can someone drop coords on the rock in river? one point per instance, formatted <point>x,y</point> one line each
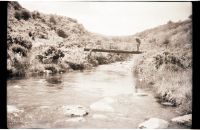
<point>184,120</point>
<point>154,123</point>
<point>74,110</point>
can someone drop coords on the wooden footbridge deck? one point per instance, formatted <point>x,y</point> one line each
<point>112,51</point>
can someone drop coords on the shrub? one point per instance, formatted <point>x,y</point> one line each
<point>168,58</point>
<point>52,20</point>
<point>23,14</point>
<point>18,40</point>
<point>39,57</point>
<point>25,43</point>
<point>62,34</point>
<point>75,66</point>
<point>26,14</point>
<point>51,55</point>
<point>102,60</point>
<point>19,67</point>
<point>36,15</point>
<point>19,49</point>
<point>17,15</point>
<point>43,20</point>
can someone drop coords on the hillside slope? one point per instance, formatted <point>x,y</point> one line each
<point>40,43</point>
<point>166,65</point>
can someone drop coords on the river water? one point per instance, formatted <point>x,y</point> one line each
<point>38,98</point>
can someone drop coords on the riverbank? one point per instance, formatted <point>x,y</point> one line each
<point>166,65</point>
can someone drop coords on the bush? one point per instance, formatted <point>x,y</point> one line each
<point>18,40</point>
<point>51,55</point>
<point>62,34</point>
<point>36,15</point>
<point>52,20</point>
<point>168,58</point>
<point>19,49</point>
<point>43,20</point>
<point>26,14</point>
<point>18,15</point>
<point>39,57</point>
<point>23,14</point>
<point>18,67</point>
<point>75,66</point>
<point>102,60</point>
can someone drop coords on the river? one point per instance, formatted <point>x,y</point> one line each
<point>112,85</point>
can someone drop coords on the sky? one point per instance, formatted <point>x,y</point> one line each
<point>115,18</point>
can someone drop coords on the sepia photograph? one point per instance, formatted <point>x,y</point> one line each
<point>99,65</point>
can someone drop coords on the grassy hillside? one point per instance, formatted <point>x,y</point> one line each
<point>166,65</point>
<point>40,43</point>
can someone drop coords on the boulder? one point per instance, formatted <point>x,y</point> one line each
<point>74,111</point>
<point>184,120</point>
<point>154,123</point>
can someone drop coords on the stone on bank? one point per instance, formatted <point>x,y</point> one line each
<point>154,123</point>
